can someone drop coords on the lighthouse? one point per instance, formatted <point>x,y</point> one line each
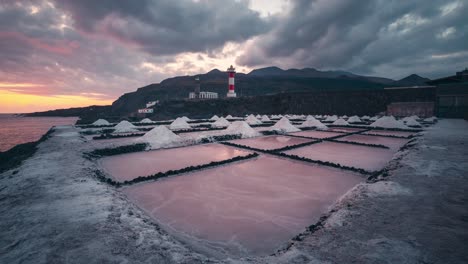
<point>231,71</point>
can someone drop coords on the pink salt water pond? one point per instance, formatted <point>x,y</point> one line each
<point>250,207</point>
<point>389,132</point>
<point>317,134</point>
<point>271,142</point>
<point>129,166</point>
<point>368,158</point>
<point>392,143</point>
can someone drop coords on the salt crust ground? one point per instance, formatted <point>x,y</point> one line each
<point>53,211</point>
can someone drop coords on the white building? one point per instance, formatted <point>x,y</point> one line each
<point>204,95</point>
<point>145,111</point>
<point>152,103</point>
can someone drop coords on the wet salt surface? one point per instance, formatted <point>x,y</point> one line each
<point>130,166</point>
<point>270,142</point>
<point>249,207</point>
<point>317,134</point>
<point>393,143</point>
<point>363,157</point>
<point>388,132</point>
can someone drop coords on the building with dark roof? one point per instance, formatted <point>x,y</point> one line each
<point>452,95</point>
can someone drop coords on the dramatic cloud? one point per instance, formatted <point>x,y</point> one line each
<point>167,26</point>
<point>101,49</point>
<point>389,38</point>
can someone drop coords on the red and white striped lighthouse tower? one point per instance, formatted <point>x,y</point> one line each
<point>231,71</point>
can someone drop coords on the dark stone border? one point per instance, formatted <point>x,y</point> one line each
<point>358,143</point>
<point>211,139</point>
<point>196,130</point>
<point>110,136</point>
<point>98,153</point>
<point>168,173</point>
<point>389,136</point>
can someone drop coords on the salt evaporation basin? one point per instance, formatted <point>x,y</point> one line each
<point>270,142</point>
<point>392,143</point>
<point>247,208</point>
<point>129,166</point>
<point>316,134</point>
<point>390,133</point>
<point>368,158</point>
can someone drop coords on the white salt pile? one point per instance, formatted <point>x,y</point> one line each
<point>340,122</point>
<point>241,128</point>
<point>101,122</point>
<point>314,123</point>
<point>415,117</point>
<point>146,120</point>
<point>125,127</point>
<point>252,120</point>
<point>354,119</point>
<point>258,116</point>
<point>406,119</point>
<point>185,118</point>
<point>431,119</point>
<point>284,126</point>
<point>229,117</point>
<point>374,118</point>
<point>388,122</point>
<point>265,118</point>
<point>221,122</point>
<point>179,123</point>
<point>215,117</point>
<point>413,123</point>
<point>365,117</point>
<point>332,118</point>
<point>344,117</point>
<point>318,116</point>
<point>160,137</point>
<point>311,118</point>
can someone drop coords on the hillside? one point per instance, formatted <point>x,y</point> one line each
<point>412,80</point>
<point>266,81</point>
<point>259,82</point>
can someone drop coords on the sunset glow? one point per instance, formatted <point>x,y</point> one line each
<point>14,102</point>
<point>18,85</point>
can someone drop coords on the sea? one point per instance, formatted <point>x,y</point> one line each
<point>15,129</point>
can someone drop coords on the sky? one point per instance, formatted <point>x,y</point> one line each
<point>68,53</point>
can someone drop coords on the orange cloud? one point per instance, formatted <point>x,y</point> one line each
<point>13,102</point>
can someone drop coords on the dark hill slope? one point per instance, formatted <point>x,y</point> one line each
<point>412,80</point>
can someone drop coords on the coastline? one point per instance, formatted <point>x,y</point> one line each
<point>14,157</point>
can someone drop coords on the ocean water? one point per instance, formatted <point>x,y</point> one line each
<point>16,130</point>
